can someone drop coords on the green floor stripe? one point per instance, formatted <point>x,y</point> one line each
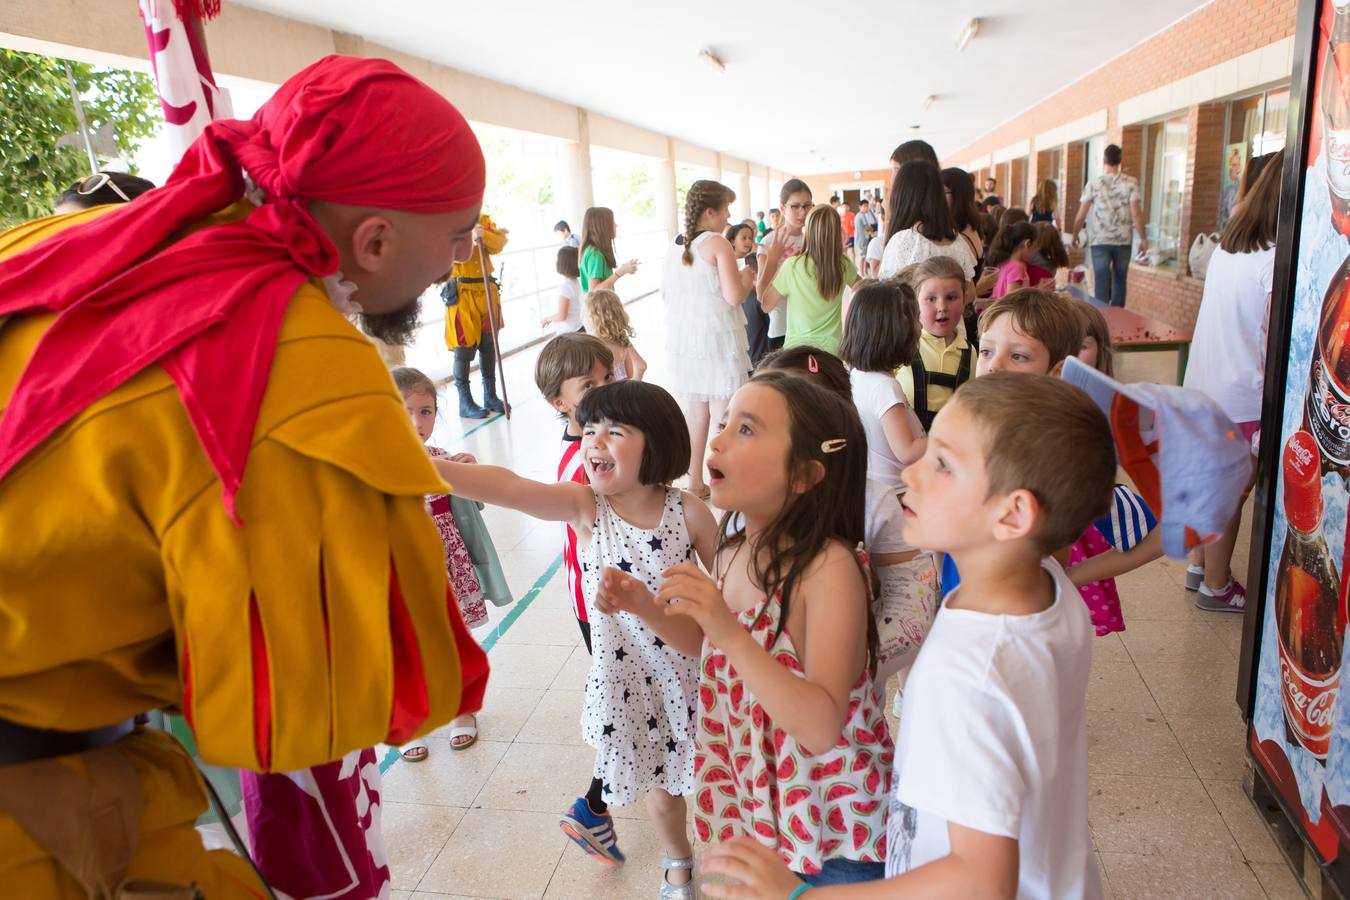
<point>485,423</point>
<point>521,605</point>
<point>495,634</point>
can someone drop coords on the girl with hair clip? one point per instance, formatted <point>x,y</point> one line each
<point>793,747</point>
<point>706,345</point>
<point>812,283</point>
<point>610,323</point>
<point>597,264</point>
<point>921,223</point>
<point>642,690</point>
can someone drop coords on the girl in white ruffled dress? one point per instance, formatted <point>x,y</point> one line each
<point>705,327</point>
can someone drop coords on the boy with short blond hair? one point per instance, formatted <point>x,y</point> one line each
<point>991,764</point>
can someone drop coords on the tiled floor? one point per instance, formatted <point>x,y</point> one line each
<point>1167,811</point>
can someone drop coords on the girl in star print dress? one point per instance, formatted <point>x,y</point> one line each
<point>641,693</point>
<point>793,748</point>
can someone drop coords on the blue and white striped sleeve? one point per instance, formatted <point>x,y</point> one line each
<point>1128,521</point>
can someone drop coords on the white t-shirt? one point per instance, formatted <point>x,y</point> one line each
<point>995,739</point>
<point>778,315</point>
<point>873,394</point>
<point>571,289</point>
<point>908,247</point>
<point>1228,352</point>
<point>885,522</point>
<point>876,247</point>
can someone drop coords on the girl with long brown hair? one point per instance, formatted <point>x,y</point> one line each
<point>1228,355</point>
<point>705,328</point>
<point>787,641</point>
<point>812,283</point>
<point>597,263</point>
<point>1046,201</point>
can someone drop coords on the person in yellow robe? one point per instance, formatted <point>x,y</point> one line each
<point>468,328</point>
<point>211,497</point>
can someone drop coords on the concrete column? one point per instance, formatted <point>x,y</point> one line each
<point>760,198</point>
<point>1017,183</point>
<point>583,183</point>
<point>740,183</point>
<point>666,213</point>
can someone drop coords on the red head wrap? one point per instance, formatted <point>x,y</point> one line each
<point>209,307</point>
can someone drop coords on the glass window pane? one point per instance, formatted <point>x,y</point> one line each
<point>1167,181</point>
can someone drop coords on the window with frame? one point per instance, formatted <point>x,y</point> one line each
<point>1165,146</point>
<point>1255,128</point>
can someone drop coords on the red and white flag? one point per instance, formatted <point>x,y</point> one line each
<point>187,89</point>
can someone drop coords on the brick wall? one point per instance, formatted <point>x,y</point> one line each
<point>1219,31</point>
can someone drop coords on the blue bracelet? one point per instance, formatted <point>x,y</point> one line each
<point>798,892</point>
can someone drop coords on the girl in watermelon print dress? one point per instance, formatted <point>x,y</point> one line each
<point>792,743</point>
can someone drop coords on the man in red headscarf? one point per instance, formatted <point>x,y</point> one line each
<point>210,493</point>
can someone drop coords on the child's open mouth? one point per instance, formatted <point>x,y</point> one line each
<point>601,466</point>
<point>715,475</point>
<point>905,508</point>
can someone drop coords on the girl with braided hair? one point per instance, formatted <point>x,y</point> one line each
<point>705,327</point>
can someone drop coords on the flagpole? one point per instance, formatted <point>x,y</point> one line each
<point>79,117</point>
<point>492,320</point>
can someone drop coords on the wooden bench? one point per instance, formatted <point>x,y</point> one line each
<point>1132,332</point>
<point>1135,333</point>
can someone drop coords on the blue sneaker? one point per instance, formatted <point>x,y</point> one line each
<point>592,833</point>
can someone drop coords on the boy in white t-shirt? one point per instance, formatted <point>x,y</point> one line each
<point>990,795</point>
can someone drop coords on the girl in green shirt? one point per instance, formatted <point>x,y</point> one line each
<point>814,281</point>
<point>597,262</point>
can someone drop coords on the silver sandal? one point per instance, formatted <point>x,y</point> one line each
<point>677,891</point>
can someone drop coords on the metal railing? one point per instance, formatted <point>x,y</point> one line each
<point>530,286</point>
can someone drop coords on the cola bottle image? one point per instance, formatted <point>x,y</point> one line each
<point>1307,604</point>
<point>1335,100</point>
<point>1326,413</point>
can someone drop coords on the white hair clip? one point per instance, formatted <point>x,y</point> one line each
<point>833,445</point>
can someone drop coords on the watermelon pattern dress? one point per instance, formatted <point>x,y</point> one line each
<point>754,777</point>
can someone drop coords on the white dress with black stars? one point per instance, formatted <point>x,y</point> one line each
<point>641,692</point>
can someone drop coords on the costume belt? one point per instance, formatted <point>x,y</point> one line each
<point>468,281</point>
<point>21,744</point>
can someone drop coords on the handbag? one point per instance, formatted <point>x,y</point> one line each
<point>1201,250</point>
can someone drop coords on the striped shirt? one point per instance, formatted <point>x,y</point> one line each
<point>571,469</point>
<point>1128,521</point>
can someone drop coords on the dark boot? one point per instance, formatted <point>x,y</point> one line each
<point>468,409</point>
<point>487,367</point>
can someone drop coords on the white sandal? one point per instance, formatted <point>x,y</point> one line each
<point>458,731</point>
<point>677,891</point>
<point>409,751</point>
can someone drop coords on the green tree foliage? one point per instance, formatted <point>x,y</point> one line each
<point>36,111</point>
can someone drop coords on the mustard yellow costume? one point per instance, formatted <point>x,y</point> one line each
<point>467,327</point>
<point>322,625</point>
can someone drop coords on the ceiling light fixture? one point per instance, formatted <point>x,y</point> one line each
<point>927,102</point>
<point>967,34</point>
<point>712,59</point>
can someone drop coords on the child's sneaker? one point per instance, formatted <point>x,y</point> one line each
<point>1195,576</point>
<point>1233,598</point>
<point>592,833</point>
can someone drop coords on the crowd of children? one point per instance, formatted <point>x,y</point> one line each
<point>743,665</point>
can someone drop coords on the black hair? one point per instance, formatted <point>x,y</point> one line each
<point>651,410</point>
<point>1006,241</point>
<point>734,230</point>
<point>919,200</point>
<point>914,151</point>
<point>567,265</point>
<point>130,185</point>
<point>965,211</point>
<point>882,330</point>
<point>562,226</point>
<point>774,210</point>
<point>1111,155</point>
<point>813,364</point>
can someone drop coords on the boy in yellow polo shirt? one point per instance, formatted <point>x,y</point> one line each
<point>945,360</point>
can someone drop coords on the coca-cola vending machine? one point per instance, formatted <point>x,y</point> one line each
<point>1293,664</point>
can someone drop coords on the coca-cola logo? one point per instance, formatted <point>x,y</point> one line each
<point>1338,148</point>
<point>1302,456</point>
<point>1338,161</point>
<point>1308,704</point>
<point>1330,417</point>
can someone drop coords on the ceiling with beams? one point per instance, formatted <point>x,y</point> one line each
<point>807,87</point>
